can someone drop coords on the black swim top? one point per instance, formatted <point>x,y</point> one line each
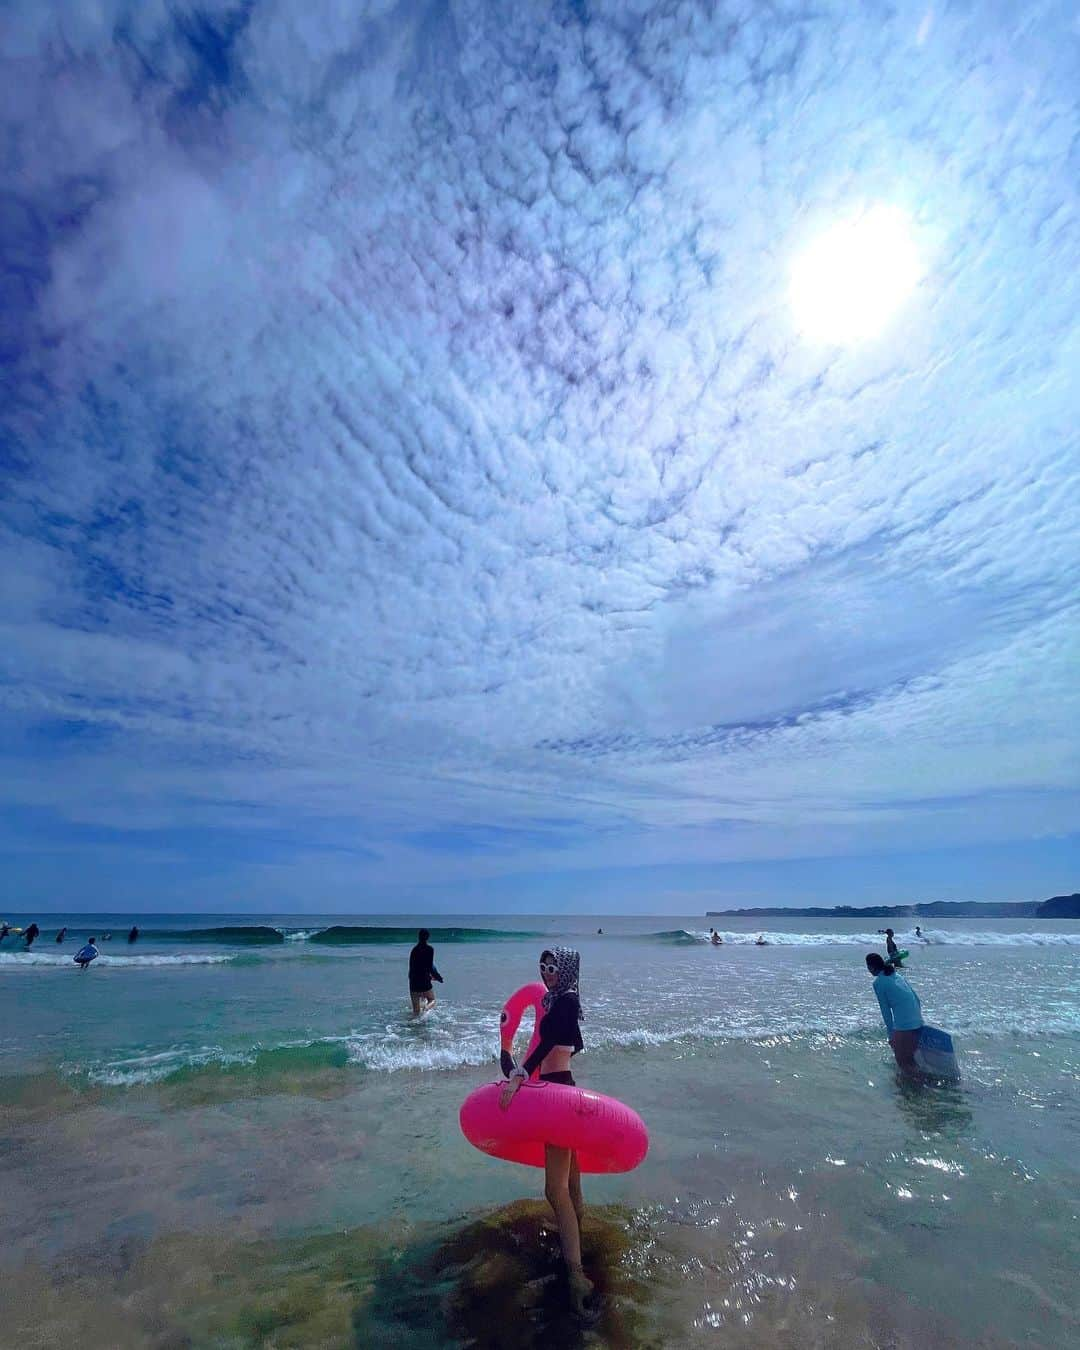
<point>422,966</point>
<point>558,1026</point>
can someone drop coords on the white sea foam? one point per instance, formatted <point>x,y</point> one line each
<point>932,937</point>
<point>393,1050</point>
<point>380,1056</point>
<point>12,960</point>
<point>154,1068</point>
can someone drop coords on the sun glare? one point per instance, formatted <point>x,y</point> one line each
<point>853,277</point>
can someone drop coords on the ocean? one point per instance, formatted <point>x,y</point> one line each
<point>233,1134</point>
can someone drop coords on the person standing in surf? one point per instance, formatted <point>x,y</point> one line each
<point>421,973</point>
<point>560,1039</point>
<point>901,1010</point>
<point>892,949</point>
<point>85,955</point>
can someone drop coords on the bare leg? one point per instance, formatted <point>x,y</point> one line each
<point>430,997</point>
<point>903,1047</point>
<point>415,1004</point>
<point>574,1186</point>
<point>557,1190</point>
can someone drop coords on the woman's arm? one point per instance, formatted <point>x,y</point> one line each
<point>557,1027</point>
<point>543,1048</point>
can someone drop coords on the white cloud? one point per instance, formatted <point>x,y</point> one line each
<point>407,397</point>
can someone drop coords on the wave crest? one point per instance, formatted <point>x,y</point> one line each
<point>931,937</point>
<point>375,935</point>
<point>12,960</point>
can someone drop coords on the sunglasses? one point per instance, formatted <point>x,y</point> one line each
<point>548,968</point>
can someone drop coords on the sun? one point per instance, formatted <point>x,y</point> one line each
<point>849,282</point>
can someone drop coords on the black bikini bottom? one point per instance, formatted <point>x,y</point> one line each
<point>565,1077</point>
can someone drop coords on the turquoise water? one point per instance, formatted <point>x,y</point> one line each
<point>198,1084</point>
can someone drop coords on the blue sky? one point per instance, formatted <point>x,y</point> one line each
<point>419,491</point>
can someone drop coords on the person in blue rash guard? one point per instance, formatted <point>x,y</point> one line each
<point>901,1010</point>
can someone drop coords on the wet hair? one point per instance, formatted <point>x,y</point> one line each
<point>888,932</point>
<point>91,939</point>
<point>548,954</point>
<point>423,935</point>
<point>877,965</point>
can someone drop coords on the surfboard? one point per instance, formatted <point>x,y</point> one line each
<point>935,1053</point>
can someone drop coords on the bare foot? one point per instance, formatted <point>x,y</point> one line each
<point>581,1289</point>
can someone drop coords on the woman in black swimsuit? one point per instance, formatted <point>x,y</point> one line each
<point>560,1040</point>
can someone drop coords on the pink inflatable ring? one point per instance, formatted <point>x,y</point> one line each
<point>608,1136</point>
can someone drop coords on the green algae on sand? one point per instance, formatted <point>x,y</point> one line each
<point>493,1281</point>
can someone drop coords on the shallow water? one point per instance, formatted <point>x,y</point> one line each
<point>795,1191</point>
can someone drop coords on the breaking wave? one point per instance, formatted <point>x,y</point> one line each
<point>369,935</point>
<point>238,935</point>
<point>931,937</point>
<point>12,960</point>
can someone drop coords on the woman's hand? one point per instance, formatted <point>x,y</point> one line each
<point>510,1087</point>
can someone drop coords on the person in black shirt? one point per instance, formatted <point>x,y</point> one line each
<point>560,1039</point>
<point>421,972</point>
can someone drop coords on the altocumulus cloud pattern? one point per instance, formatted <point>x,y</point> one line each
<point>413,467</point>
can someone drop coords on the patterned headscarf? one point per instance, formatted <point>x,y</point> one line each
<point>567,965</point>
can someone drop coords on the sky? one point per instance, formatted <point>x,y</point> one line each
<point>423,486</point>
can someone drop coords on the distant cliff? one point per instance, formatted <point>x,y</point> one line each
<point>1058,907</point>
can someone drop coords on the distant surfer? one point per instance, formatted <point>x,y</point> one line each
<point>133,936</point>
<point>86,954</point>
<point>715,938</point>
<point>918,932</point>
<point>5,929</point>
<point>61,935</point>
<point>30,934</point>
<point>901,1010</point>
<point>761,941</point>
<point>421,973</point>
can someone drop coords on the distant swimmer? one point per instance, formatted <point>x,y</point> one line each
<point>30,934</point>
<point>61,935</point>
<point>5,929</point>
<point>421,972</point>
<point>85,955</point>
<point>715,938</point>
<point>599,932</point>
<point>761,941</point>
<point>900,1009</point>
<point>133,936</point>
<point>892,949</point>
<point>918,931</point>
